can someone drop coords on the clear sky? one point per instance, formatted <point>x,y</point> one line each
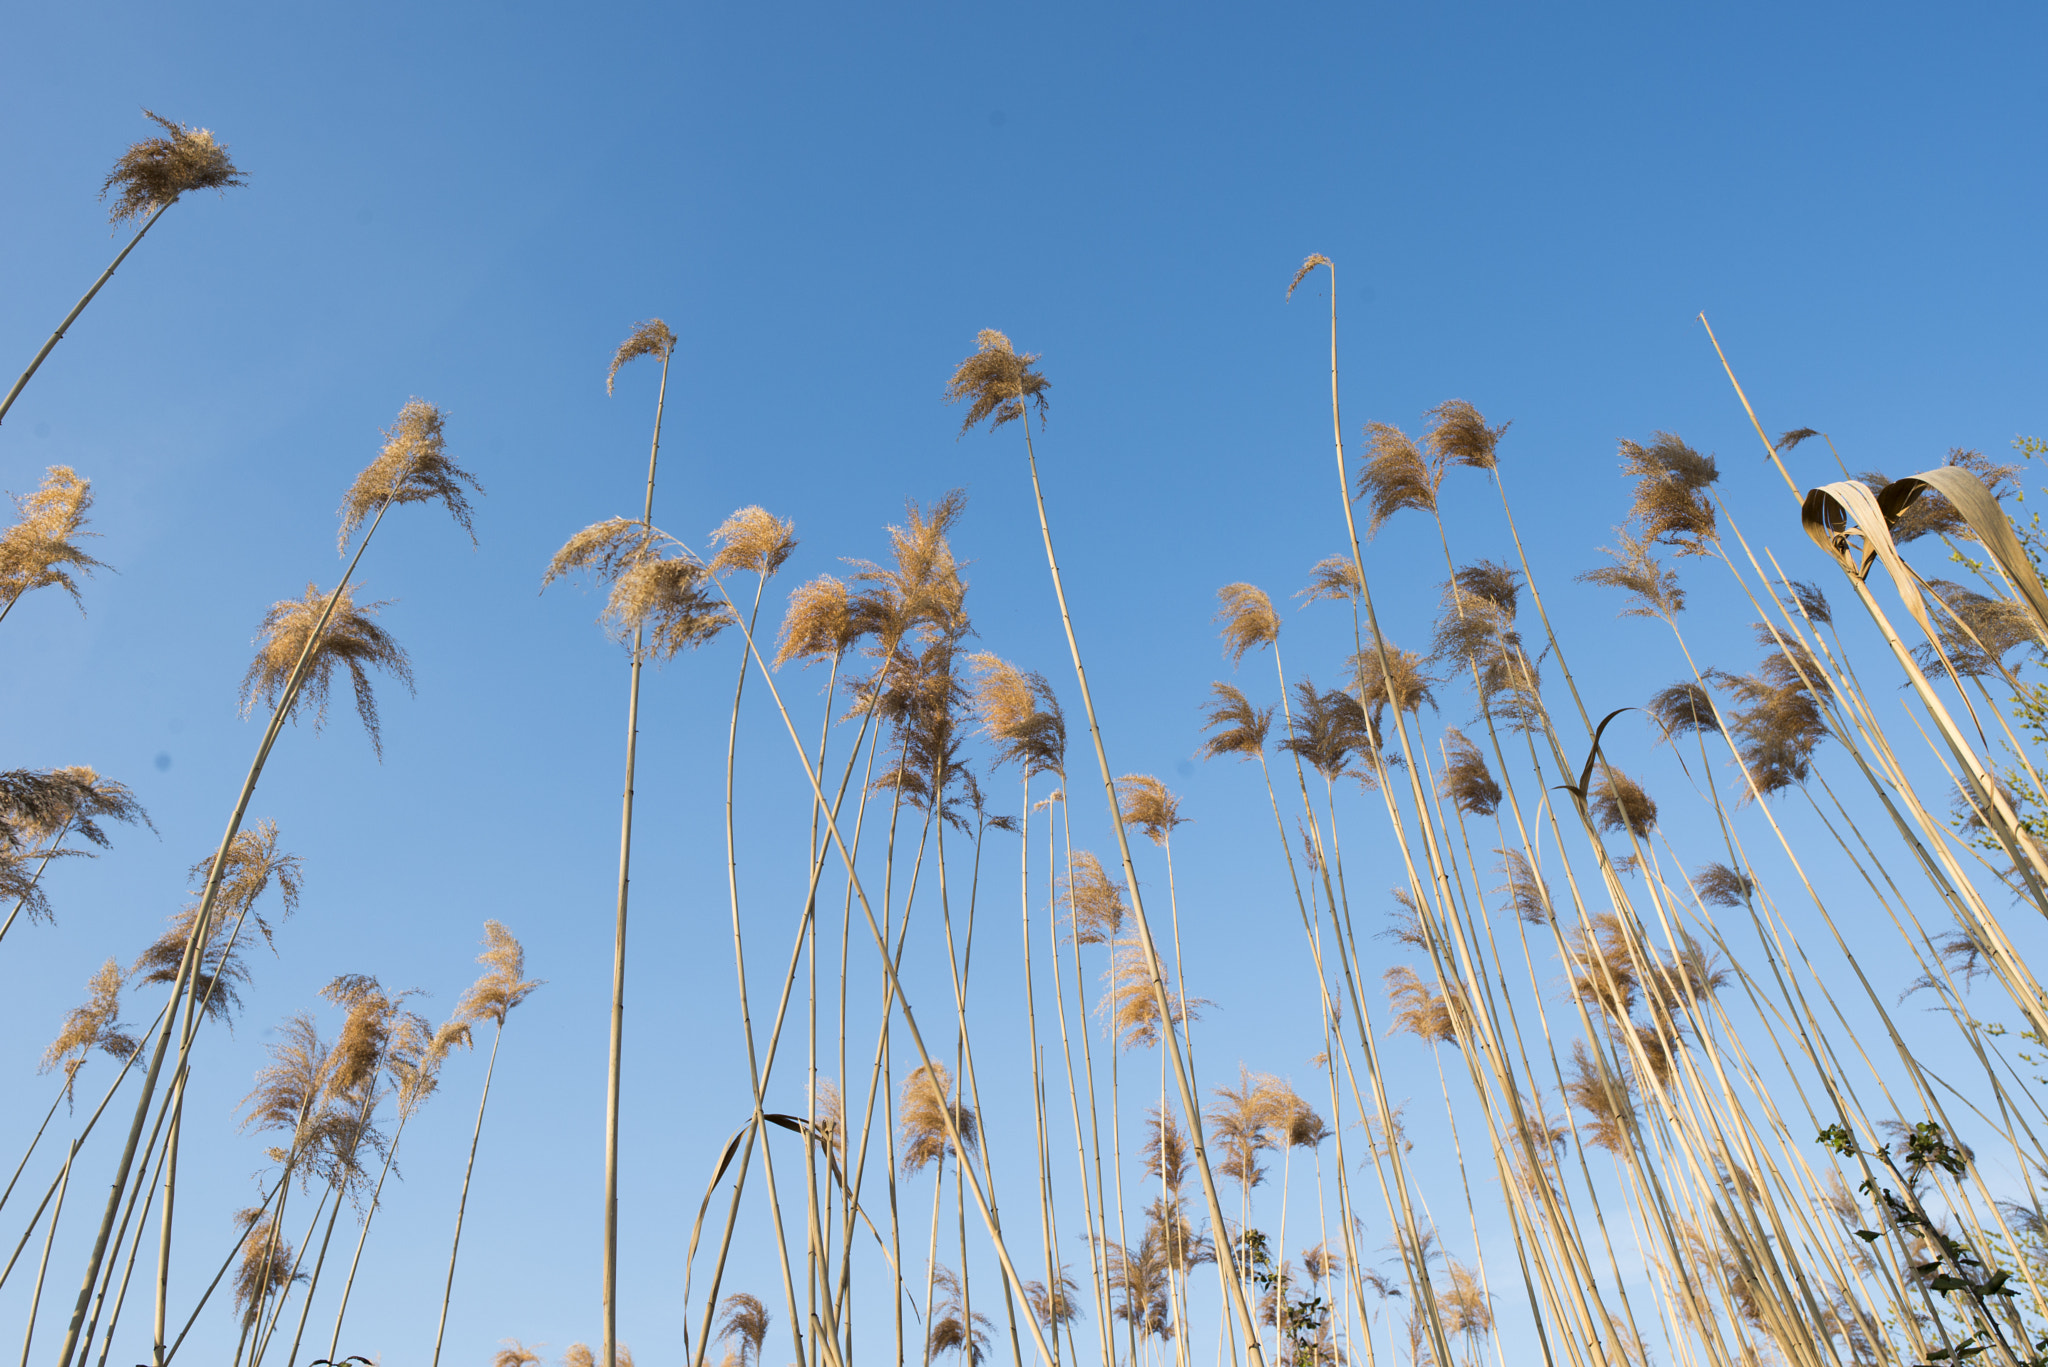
<point>1528,206</point>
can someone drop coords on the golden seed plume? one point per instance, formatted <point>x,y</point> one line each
<point>1020,714</point>
<point>819,624</point>
<point>1459,436</point>
<point>1095,905</point>
<point>753,539</point>
<point>1671,507</point>
<point>921,593</point>
<point>1684,708</point>
<point>152,173</point>
<point>267,1260</point>
<point>40,550</point>
<point>1333,577</point>
<point>1421,1010</point>
<point>1606,1097</point>
<point>517,1354</point>
<point>1527,895</point>
<point>1635,571</point>
<point>1235,726</point>
<point>1248,619</point>
<point>648,588</point>
<point>39,805</point>
<point>1395,475</point>
<point>575,1355</point>
<point>1237,1125</point>
<point>1149,805</point>
<point>1054,1306</point>
<point>504,983</point>
<point>921,1116</point>
<point>253,864</point>
<point>289,1085</point>
<point>996,382</point>
<point>1329,729</point>
<point>651,338</point>
<point>1314,260</point>
<point>1720,886</point>
<point>1977,633</point>
<point>352,641</point>
<point>1400,680</point>
<point>742,1316</point>
<point>413,467</point>
<point>93,1025</point>
<point>1466,780</point>
<point>1620,804</point>
<point>1131,1004</point>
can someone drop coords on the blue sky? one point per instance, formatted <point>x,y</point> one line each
<point>1528,207</point>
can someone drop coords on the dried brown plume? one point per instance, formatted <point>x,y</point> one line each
<point>1149,805</point>
<point>742,1316</point>
<point>1399,679</point>
<point>1395,475</point>
<point>1314,260</point>
<point>1977,633</point>
<point>41,550</point>
<point>504,983</point>
<point>43,805</point>
<point>1132,1005</point>
<point>954,1329</point>
<point>1635,571</point>
<point>1684,709</point>
<point>1607,1098</point>
<point>819,624</point>
<point>1526,892</point>
<point>753,539</point>
<point>152,173</point>
<point>1671,506</point>
<point>253,864</point>
<point>922,1113</point>
<point>1720,886</point>
<point>352,640</point>
<point>413,467</point>
<point>1248,619</point>
<point>920,593</point>
<point>1466,780</point>
<point>1095,905</point>
<point>1020,715</point>
<point>517,1354</point>
<point>1056,1305</point>
<point>655,584</point>
<point>288,1087</point>
<point>651,338</point>
<point>1620,804</point>
<point>1333,577</point>
<point>1329,728</point>
<point>1235,727</point>
<point>1421,1010</point>
<point>1238,1124</point>
<point>93,1025</point>
<point>266,1263</point>
<point>996,382</point>
<point>1459,436</point>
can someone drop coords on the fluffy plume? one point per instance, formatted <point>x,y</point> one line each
<point>352,640</point>
<point>1237,1125</point>
<point>1465,780</point>
<point>1635,571</point>
<point>288,1087</point>
<point>1329,728</point>
<point>366,1034</point>
<point>1606,1098</point>
<point>266,1264</point>
<point>1976,633</point>
<point>1720,886</point>
<point>253,864</point>
<point>1421,1010</point>
<point>39,805</point>
<point>1248,619</point>
<point>753,539</point>
<point>1131,1003</point>
<point>1459,436</point>
<point>1394,475</point>
<point>1683,709</point>
<point>1333,578</point>
<point>1399,679</point>
<point>954,1329</point>
<point>742,1316</point>
<point>1791,439</point>
<point>413,467</point>
<point>649,586</point>
<point>1526,892</point>
<point>1055,1305</point>
<point>819,624</point>
<point>1235,727</point>
<point>1020,715</point>
<point>920,593</point>
<point>152,173</point>
<point>1314,260</point>
<point>1780,721</point>
<point>1166,1153</point>
<point>1149,805</point>
<point>1095,905</point>
<point>922,1112</point>
<point>1671,507</point>
<point>504,983</point>
<point>1811,600</point>
<point>41,549</point>
<point>1929,514</point>
<point>1620,804</point>
<point>517,1354</point>
<point>93,1025</point>
<point>651,338</point>
<point>996,382</point>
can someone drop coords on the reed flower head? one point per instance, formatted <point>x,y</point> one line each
<point>504,983</point>
<point>1248,619</point>
<point>1421,1010</point>
<point>1054,1305</point>
<point>1932,515</point>
<point>1784,444</point>
<point>1620,804</point>
<point>1235,727</point>
<point>819,624</point>
<point>41,549</point>
<point>1635,571</point>
<point>1149,805</point>
<point>366,1035</point>
<point>753,539</point>
<point>288,1087</point>
<point>1398,678</point>
<point>413,467</point>
<point>1314,260</point>
<point>742,1316</point>
<point>1395,475</point>
<point>954,1329</point>
<point>1166,1151</point>
<point>1526,892</point>
<point>93,1025</point>
<point>1333,577</point>
<point>1132,1004</point>
<point>1095,905</point>
<point>1720,886</point>
<point>1684,708</point>
<point>152,173</point>
<point>1671,506</point>
<point>517,1354</point>
<point>649,588</point>
<point>253,864</point>
<point>267,1260</point>
<point>651,338</point>
<point>1020,715</point>
<point>1459,436</point>
<point>351,640</point>
<point>1466,780</point>
<point>920,593</point>
<point>1237,1121</point>
<point>43,805</point>
<point>922,1113</point>
<point>1329,728</point>
<point>996,382</point>
<point>1976,633</point>
<point>1781,721</point>
<point>1606,1097</point>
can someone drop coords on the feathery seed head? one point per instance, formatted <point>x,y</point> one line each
<point>922,1114</point>
<point>152,173</point>
<point>1684,708</point>
<point>819,624</point>
<point>651,338</point>
<point>1671,506</point>
<point>413,467</point>
<point>743,1316</point>
<point>1395,475</point>
<point>1720,886</point>
<point>1791,439</point>
<point>1333,577</point>
<point>1314,260</point>
<point>1466,780</point>
<point>1248,619</point>
<point>1637,572</point>
<point>1020,715</point>
<point>1095,905</point>
<point>351,640</point>
<point>1398,680</point>
<point>1620,804</point>
<point>1606,1097</point>
<point>1132,1004</point>
<point>1526,892</point>
<point>1422,1010</point>
<point>648,588</point>
<point>753,539</point>
<point>40,550</point>
<point>1235,726</point>
<point>517,1354</point>
<point>996,382</point>
<point>504,984</point>
<point>1459,436</point>
<point>94,1024</point>
<point>1149,805</point>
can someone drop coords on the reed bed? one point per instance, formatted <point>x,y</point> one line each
<point>1686,1028</point>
